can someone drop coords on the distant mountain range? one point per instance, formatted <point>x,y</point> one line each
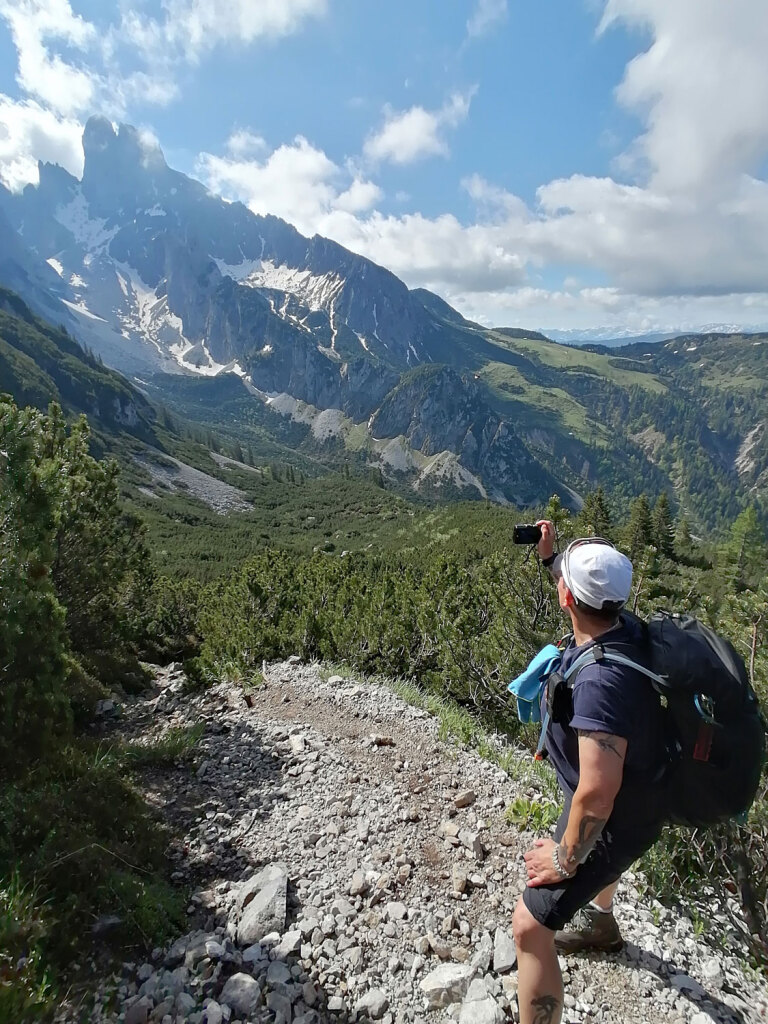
<point>610,337</point>
<point>168,283</point>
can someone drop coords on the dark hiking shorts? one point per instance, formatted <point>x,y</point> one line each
<point>618,847</point>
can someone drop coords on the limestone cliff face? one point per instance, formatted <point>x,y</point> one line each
<point>437,410</point>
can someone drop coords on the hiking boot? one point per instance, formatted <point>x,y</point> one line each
<point>590,929</point>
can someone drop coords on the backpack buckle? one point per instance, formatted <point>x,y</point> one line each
<point>705,707</point>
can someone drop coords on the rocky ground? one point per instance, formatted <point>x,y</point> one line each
<point>347,864</point>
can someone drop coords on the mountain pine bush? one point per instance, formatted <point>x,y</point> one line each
<point>73,574</point>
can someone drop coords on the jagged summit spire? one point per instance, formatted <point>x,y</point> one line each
<point>121,165</point>
<point>102,144</point>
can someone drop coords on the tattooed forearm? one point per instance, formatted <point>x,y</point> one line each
<point>545,1009</point>
<point>590,828</point>
<point>604,740</point>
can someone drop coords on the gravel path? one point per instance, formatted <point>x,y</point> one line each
<point>347,864</point>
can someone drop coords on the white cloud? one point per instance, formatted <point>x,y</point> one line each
<point>72,84</point>
<point>34,24</point>
<point>701,87</point>
<point>360,196</point>
<point>46,32</point>
<point>29,133</point>
<point>486,15</point>
<point>683,238</point>
<point>193,27</point>
<point>244,143</point>
<point>297,182</point>
<point>410,135</point>
<point>67,68</point>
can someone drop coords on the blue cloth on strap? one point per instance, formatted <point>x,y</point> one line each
<point>528,686</point>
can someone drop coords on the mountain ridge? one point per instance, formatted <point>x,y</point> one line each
<point>160,275</point>
<point>165,280</point>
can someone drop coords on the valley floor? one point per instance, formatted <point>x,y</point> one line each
<point>401,873</point>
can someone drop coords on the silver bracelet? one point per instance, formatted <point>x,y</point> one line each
<point>557,865</point>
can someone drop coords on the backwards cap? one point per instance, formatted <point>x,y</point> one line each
<point>597,574</point>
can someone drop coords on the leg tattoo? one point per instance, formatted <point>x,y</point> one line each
<point>545,1009</point>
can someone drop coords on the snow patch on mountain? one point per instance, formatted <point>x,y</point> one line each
<point>316,292</point>
<point>91,233</point>
<point>148,315</point>
<point>80,307</point>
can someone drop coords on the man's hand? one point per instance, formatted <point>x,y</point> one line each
<point>538,862</point>
<point>546,545</point>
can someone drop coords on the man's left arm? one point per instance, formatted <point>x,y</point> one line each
<point>601,769</point>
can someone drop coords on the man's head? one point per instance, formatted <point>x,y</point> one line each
<point>596,579</point>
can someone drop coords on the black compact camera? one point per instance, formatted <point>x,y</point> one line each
<point>526,533</point>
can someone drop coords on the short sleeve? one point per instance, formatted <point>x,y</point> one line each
<point>601,703</point>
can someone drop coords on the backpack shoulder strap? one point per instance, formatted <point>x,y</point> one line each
<point>596,654</point>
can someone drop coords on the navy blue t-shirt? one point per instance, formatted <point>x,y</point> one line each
<point>614,699</point>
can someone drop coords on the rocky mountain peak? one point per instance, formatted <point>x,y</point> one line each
<point>122,167</point>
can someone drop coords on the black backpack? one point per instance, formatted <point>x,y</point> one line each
<point>716,734</point>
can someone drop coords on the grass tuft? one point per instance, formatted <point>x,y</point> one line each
<point>175,745</point>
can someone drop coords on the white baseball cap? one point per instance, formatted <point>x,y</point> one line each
<point>596,573</point>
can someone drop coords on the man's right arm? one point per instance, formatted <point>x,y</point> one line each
<point>546,548</point>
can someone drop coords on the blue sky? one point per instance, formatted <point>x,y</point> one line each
<point>549,163</point>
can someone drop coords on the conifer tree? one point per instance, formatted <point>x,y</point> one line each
<point>639,533</point>
<point>556,513</point>
<point>746,551</point>
<point>684,542</point>
<point>662,527</point>
<point>595,516</point>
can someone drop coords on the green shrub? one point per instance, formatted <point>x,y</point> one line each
<point>66,827</point>
<point>26,990</point>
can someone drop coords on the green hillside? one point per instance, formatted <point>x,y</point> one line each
<point>40,364</point>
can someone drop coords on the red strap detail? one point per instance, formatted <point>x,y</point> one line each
<point>703,747</point>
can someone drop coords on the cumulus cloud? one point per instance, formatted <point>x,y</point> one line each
<point>191,28</point>
<point>34,24</point>
<point>486,15</point>
<point>244,143</point>
<point>415,134</point>
<point>28,133</point>
<point>71,68</point>
<point>679,234</point>
<point>46,32</point>
<point>701,87</point>
<point>296,181</point>
<point>67,68</point>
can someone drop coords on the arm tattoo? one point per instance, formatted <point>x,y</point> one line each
<point>590,828</point>
<point>545,1008</point>
<point>604,740</point>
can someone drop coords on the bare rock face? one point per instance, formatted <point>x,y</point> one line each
<point>504,952</point>
<point>262,905</point>
<point>446,984</point>
<point>480,1007</point>
<point>242,993</point>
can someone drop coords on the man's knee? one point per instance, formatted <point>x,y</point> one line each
<point>530,936</point>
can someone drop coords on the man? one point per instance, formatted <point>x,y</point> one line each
<point>606,743</point>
